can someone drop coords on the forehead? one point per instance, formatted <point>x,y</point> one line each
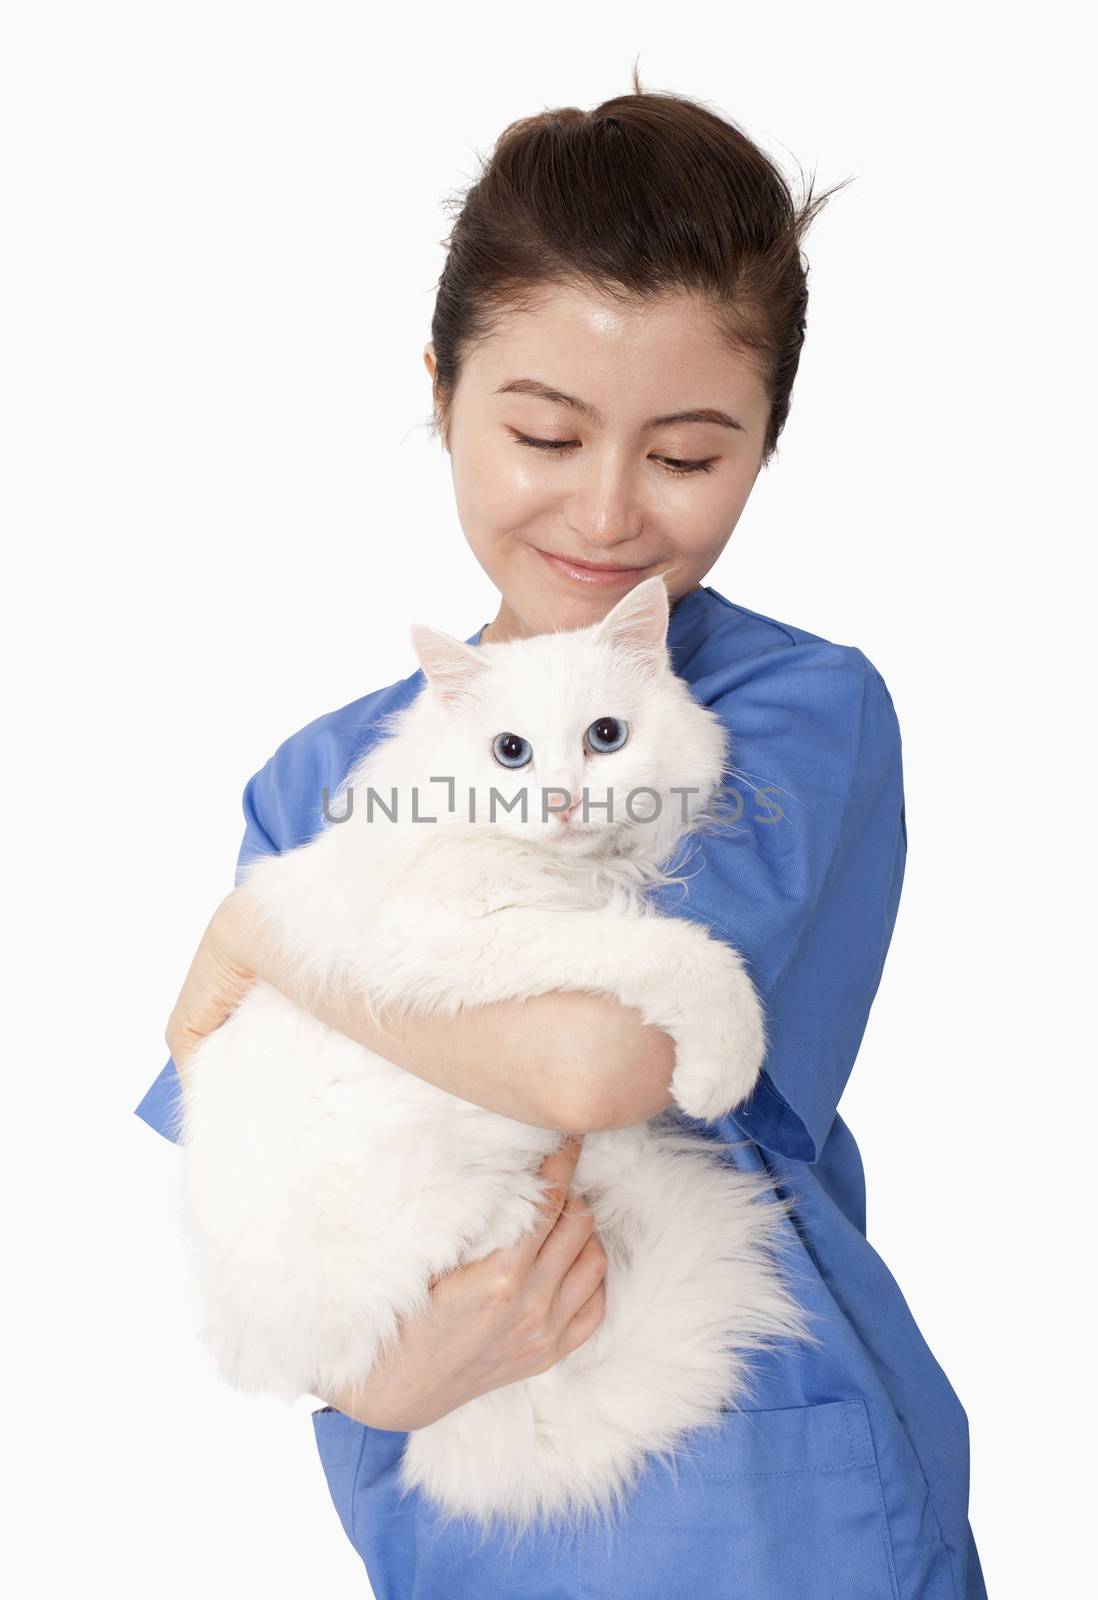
<point>628,359</point>
<point>558,688</point>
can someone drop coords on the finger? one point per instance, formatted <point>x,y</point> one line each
<point>555,1173</point>
<point>581,1280</point>
<point>563,1243</point>
<point>587,1319</point>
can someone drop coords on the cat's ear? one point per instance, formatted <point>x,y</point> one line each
<point>638,623</point>
<point>450,667</point>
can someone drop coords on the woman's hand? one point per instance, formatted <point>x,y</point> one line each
<point>215,985</point>
<point>496,1321</point>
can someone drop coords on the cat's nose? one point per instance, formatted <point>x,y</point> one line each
<point>570,811</point>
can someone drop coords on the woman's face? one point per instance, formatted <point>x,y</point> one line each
<point>581,458</point>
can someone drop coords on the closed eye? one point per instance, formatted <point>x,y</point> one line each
<point>558,447</point>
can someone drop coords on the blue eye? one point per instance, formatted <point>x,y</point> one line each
<point>608,733</point>
<point>512,750</point>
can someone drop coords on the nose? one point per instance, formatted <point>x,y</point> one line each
<point>564,814</point>
<point>604,510</point>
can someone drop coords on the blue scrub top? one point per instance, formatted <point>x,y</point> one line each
<point>848,1476</point>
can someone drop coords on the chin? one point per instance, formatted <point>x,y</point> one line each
<point>583,841</point>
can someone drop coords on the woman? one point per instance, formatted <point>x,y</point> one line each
<point>616,335</point>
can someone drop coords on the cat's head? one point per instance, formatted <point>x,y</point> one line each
<point>524,728</point>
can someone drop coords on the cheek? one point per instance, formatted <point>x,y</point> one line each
<point>508,782</point>
<point>497,487</point>
<point>703,521</point>
<point>615,779</point>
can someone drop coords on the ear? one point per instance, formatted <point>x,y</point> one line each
<point>638,622</point>
<point>450,667</point>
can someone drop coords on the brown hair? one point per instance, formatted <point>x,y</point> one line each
<point>647,194</point>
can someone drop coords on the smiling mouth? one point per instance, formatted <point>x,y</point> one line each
<point>589,571</point>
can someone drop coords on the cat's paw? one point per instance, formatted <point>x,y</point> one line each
<point>721,1045</point>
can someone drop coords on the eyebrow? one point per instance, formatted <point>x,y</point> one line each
<point>544,391</point>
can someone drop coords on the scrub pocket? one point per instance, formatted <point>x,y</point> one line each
<point>770,1505</point>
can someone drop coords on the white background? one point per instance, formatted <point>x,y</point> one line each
<point>222,509</point>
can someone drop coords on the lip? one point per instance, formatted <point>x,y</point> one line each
<point>587,572</point>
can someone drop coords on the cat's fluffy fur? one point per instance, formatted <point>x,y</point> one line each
<point>325,1187</point>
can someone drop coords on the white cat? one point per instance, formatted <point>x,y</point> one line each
<point>324,1187</point>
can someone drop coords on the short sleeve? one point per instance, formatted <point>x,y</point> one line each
<point>803,874</point>
<point>264,826</point>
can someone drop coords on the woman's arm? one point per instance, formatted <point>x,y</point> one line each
<point>571,1061</point>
